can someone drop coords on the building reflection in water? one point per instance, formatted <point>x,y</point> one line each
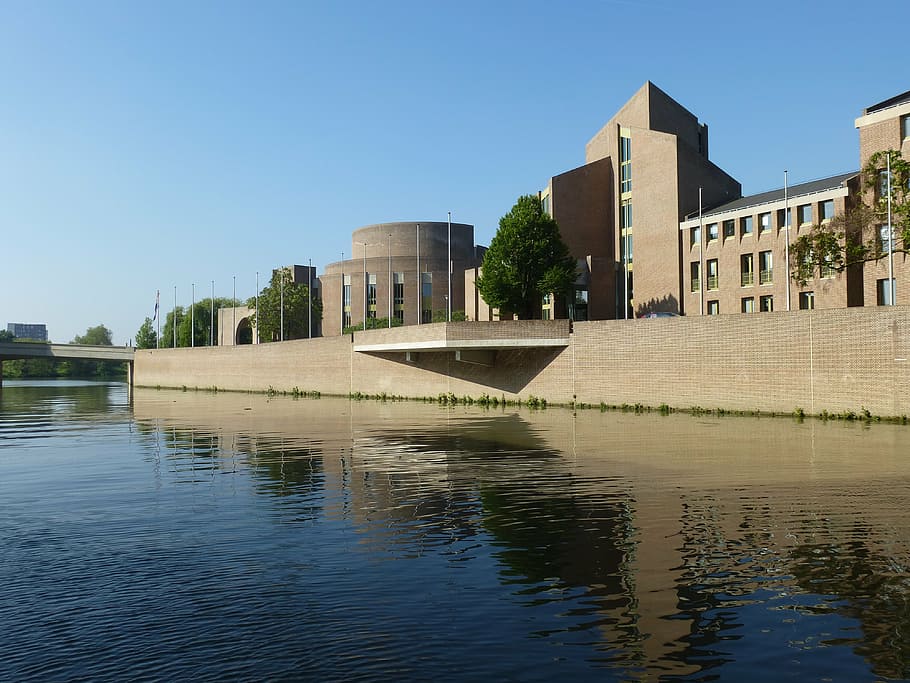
<point>670,546</point>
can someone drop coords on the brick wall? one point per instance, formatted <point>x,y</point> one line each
<point>834,360</point>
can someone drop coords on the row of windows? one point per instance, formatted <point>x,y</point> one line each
<point>426,293</point>
<point>746,271</point>
<point>747,223</point>
<point>765,303</point>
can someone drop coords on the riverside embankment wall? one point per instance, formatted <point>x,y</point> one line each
<point>832,360</point>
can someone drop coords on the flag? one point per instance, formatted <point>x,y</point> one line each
<point>157,294</point>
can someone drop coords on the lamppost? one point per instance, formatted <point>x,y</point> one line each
<point>175,316</point>
<point>449,273</point>
<point>193,318</point>
<point>234,313</point>
<point>212,321</point>
<point>419,280</point>
<point>391,290</point>
<point>281,304</point>
<point>309,299</point>
<point>258,312</point>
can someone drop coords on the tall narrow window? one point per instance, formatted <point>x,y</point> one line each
<point>426,297</point>
<point>346,302</point>
<point>883,292</point>
<point>695,236</point>
<point>694,273</point>
<point>729,228</point>
<point>827,210</point>
<point>766,303</point>
<point>371,295</point>
<point>625,231</point>
<point>804,214</point>
<point>783,219</point>
<point>398,301</point>
<point>625,164</point>
<point>748,304</point>
<point>806,301</point>
<point>765,268</point>
<point>905,126</point>
<point>712,273</point>
<point>746,270</point>
<point>764,222</point>
<point>712,232</point>
<point>713,307</point>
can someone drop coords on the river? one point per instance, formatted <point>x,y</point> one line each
<point>194,535</point>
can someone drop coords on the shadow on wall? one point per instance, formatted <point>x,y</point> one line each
<point>666,304</point>
<point>512,371</point>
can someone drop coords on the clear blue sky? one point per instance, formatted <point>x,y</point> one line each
<point>148,145</point>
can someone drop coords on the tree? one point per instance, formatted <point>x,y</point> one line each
<point>7,336</point>
<point>146,337</point>
<point>97,336</point>
<point>296,306</point>
<point>859,235</point>
<point>526,259</point>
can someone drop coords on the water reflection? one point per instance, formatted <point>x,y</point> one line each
<point>672,548</point>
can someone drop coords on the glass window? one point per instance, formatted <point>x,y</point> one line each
<point>729,228</point>
<point>713,307</point>
<point>886,238</point>
<point>764,222</point>
<point>905,126</point>
<point>883,292</point>
<point>694,272</point>
<point>426,297</point>
<point>748,304</point>
<point>712,232</point>
<point>804,214</point>
<point>745,225</point>
<point>746,270</point>
<point>806,301</point>
<point>695,236</point>
<point>371,293</point>
<point>545,203</point>
<point>766,303</point>
<point>827,210</point>
<point>625,164</point>
<point>712,273</point>
<point>783,220</point>
<point>765,268</point>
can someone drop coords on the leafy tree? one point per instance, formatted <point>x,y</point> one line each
<point>372,324</point>
<point>296,321</point>
<point>855,236</point>
<point>442,316</point>
<point>526,259</point>
<point>7,336</point>
<point>97,336</point>
<point>146,337</point>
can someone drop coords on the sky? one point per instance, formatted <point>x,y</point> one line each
<point>151,145</point>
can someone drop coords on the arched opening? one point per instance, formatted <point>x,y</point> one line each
<point>244,333</point>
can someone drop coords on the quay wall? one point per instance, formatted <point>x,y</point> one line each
<point>831,360</point>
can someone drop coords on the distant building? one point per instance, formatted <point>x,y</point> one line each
<point>36,331</point>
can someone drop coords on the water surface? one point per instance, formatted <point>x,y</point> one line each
<point>234,536</point>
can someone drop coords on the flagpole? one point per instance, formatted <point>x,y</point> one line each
<point>234,312</point>
<point>449,273</point>
<point>390,281</point>
<point>158,319</point>
<point>890,236</point>
<point>701,257</point>
<point>212,322</point>
<point>309,299</point>
<point>281,289</point>
<point>258,313</point>
<point>787,244</point>
<point>175,316</point>
<point>342,293</point>
<point>193,318</point>
<point>419,279</point>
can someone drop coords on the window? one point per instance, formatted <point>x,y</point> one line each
<point>545,204</point>
<point>765,269</point>
<point>745,225</point>
<point>546,308</point>
<point>712,232</point>
<point>766,303</point>
<point>826,210</point>
<point>905,126</point>
<point>694,275</point>
<point>806,301</point>
<point>883,289</point>
<point>398,300</point>
<point>883,184</point>
<point>346,302</point>
<point>826,270</point>
<point>784,219</point>
<point>804,214</point>
<point>712,273</point>
<point>695,236</point>
<point>764,222</point>
<point>371,295</point>
<point>885,238</point>
<point>746,270</point>
<point>426,297</point>
<point>729,228</point>
<point>625,225</point>
<point>713,307</point>
<point>625,164</point>
<point>748,304</point>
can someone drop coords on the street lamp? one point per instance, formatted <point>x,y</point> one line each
<point>391,291</point>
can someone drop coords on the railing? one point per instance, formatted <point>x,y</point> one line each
<point>765,277</point>
<point>746,279</point>
<point>712,282</point>
<point>696,284</point>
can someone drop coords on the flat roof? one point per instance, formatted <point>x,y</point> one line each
<point>890,102</point>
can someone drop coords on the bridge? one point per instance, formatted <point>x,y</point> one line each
<point>21,350</point>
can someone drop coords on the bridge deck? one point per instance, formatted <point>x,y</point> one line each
<point>20,350</point>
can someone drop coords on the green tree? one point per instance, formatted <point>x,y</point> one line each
<point>526,259</point>
<point>296,305</point>
<point>372,324</point>
<point>99,335</point>
<point>146,337</point>
<point>7,336</point>
<point>856,236</point>
<point>96,336</point>
<point>166,340</point>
